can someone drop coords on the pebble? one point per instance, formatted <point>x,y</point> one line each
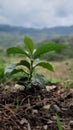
<point>54,117</point>
<point>64,109</point>
<point>45,127</point>
<point>0,112</point>
<point>57,109</point>
<point>18,87</point>
<point>23,121</point>
<point>46,107</point>
<point>71,123</point>
<point>48,88</point>
<point>34,111</point>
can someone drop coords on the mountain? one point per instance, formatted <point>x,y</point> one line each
<point>12,35</point>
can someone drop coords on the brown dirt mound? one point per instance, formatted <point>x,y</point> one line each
<point>29,110</point>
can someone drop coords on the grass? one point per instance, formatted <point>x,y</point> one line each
<point>63,69</point>
<point>61,73</point>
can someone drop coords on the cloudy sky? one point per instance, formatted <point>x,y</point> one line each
<point>36,13</point>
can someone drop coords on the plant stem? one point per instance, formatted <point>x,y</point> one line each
<point>31,69</point>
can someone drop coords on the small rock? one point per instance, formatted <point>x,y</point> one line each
<point>18,87</point>
<point>23,121</point>
<point>71,106</point>
<point>34,111</point>
<point>47,107</point>
<point>47,115</point>
<point>49,122</point>
<point>38,127</point>
<point>64,109</point>
<point>54,117</point>
<point>57,109</point>
<point>45,127</point>
<point>25,128</point>
<point>71,124</point>
<point>48,88</point>
<point>0,112</point>
<point>28,126</point>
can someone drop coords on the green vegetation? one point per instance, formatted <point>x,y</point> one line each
<point>27,65</point>
<point>61,59</point>
<point>30,64</point>
<point>68,84</point>
<point>58,123</point>
<point>2,66</point>
<point>10,39</point>
<point>64,54</point>
<point>15,38</point>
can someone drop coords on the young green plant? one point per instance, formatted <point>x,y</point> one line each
<point>58,123</point>
<point>31,55</point>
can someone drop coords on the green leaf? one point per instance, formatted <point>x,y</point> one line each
<point>24,63</point>
<point>14,50</point>
<point>58,123</point>
<point>9,68</point>
<point>46,48</point>
<point>45,65</point>
<point>38,80</point>
<point>29,44</point>
<point>18,70</point>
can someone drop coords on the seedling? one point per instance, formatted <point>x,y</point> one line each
<point>58,123</point>
<point>30,63</point>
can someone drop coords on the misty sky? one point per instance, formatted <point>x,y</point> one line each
<point>36,13</point>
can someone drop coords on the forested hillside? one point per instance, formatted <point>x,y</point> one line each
<point>63,54</point>
<point>12,35</point>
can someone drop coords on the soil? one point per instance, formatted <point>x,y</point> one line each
<point>36,110</point>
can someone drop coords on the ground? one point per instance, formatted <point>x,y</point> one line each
<point>36,110</point>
